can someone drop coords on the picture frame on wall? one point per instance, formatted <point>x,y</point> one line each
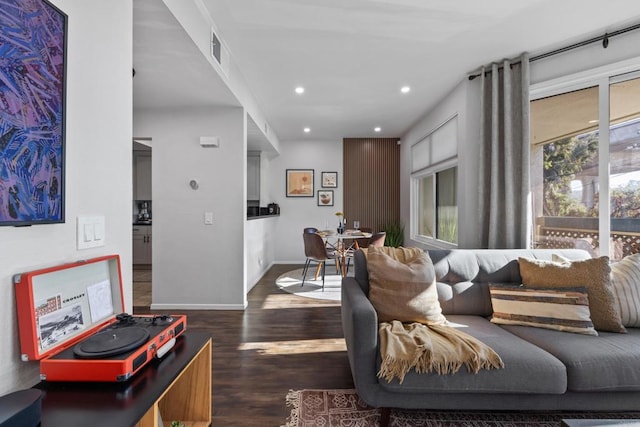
<point>32,126</point>
<point>329,179</point>
<point>299,183</point>
<point>325,197</point>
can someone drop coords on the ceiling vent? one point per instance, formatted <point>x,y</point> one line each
<point>219,53</point>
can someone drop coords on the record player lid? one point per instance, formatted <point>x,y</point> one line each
<point>60,305</point>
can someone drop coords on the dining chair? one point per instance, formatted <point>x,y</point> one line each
<point>377,239</point>
<point>363,242</point>
<point>327,244</point>
<point>315,250</point>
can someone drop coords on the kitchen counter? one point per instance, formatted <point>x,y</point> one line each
<point>250,217</point>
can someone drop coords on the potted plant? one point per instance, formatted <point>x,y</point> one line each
<point>395,233</point>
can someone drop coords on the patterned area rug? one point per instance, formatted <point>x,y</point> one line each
<point>343,408</point>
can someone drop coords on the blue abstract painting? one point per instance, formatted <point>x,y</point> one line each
<point>32,106</point>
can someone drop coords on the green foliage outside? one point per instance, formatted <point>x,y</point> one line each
<point>566,158</point>
<point>625,201</point>
<point>448,224</point>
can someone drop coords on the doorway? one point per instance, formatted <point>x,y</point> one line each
<point>142,221</point>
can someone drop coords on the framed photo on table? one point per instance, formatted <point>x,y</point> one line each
<point>299,183</point>
<point>325,197</point>
<point>329,179</point>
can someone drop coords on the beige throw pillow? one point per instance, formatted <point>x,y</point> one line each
<point>594,274</point>
<point>402,285</point>
<point>625,276</point>
<point>561,309</point>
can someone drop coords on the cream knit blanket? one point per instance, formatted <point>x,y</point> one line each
<point>431,348</point>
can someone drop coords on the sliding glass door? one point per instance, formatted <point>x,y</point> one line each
<point>624,161</point>
<point>586,168</point>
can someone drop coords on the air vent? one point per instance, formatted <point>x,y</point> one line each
<point>219,52</point>
<point>216,47</point>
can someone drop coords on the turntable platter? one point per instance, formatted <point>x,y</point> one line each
<point>111,342</point>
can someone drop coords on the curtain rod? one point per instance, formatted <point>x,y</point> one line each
<point>604,38</point>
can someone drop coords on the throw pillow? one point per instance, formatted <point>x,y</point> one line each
<point>561,309</point>
<point>594,274</point>
<point>402,285</point>
<point>625,276</point>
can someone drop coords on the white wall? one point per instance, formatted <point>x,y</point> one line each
<point>260,243</point>
<point>296,213</point>
<point>197,22</point>
<point>197,266</point>
<point>98,166</point>
<point>461,102</point>
<point>620,48</point>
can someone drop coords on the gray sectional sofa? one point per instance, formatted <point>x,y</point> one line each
<point>544,369</point>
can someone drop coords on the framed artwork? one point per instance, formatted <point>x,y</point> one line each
<point>299,182</point>
<point>325,197</point>
<point>329,179</point>
<point>33,41</point>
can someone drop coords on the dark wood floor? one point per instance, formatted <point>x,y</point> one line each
<point>281,342</point>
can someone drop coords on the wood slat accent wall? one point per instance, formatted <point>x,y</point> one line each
<point>371,181</point>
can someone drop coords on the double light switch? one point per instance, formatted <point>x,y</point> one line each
<point>90,231</point>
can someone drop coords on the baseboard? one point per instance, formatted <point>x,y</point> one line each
<point>165,307</point>
<point>290,262</point>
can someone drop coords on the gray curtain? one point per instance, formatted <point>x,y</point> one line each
<point>504,162</point>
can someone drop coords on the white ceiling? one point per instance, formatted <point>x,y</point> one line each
<point>352,56</point>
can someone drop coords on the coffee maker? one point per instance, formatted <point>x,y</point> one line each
<point>273,209</point>
<point>144,212</point>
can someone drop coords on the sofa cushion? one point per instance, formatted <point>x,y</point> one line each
<point>402,285</point>
<point>593,273</point>
<point>608,362</point>
<point>527,368</point>
<point>463,275</point>
<point>562,309</point>
<point>625,276</point>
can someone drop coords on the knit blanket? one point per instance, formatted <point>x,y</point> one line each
<point>431,348</point>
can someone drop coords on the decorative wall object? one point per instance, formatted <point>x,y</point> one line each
<point>33,46</point>
<point>368,194</point>
<point>329,179</point>
<point>300,182</point>
<point>325,197</point>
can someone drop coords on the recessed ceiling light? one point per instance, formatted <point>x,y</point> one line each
<point>593,121</point>
<point>299,90</point>
<point>377,129</point>
<point>405,89</point>
<point>307,130</point>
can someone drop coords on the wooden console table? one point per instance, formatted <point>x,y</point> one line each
<point>176,388</point>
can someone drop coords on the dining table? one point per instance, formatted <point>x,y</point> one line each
<point>343,243</point>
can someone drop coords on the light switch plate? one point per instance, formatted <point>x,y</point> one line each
<point>90,231</point>
<point>208,218</point>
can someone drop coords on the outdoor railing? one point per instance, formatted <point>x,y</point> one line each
<point>573,232</point>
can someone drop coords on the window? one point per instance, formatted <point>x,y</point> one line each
<point>624,164</point>
<point>586,166</point>
<point>437,206</point>
<point>434,194</point>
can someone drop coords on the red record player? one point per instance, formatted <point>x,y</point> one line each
<point>71,318</point>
